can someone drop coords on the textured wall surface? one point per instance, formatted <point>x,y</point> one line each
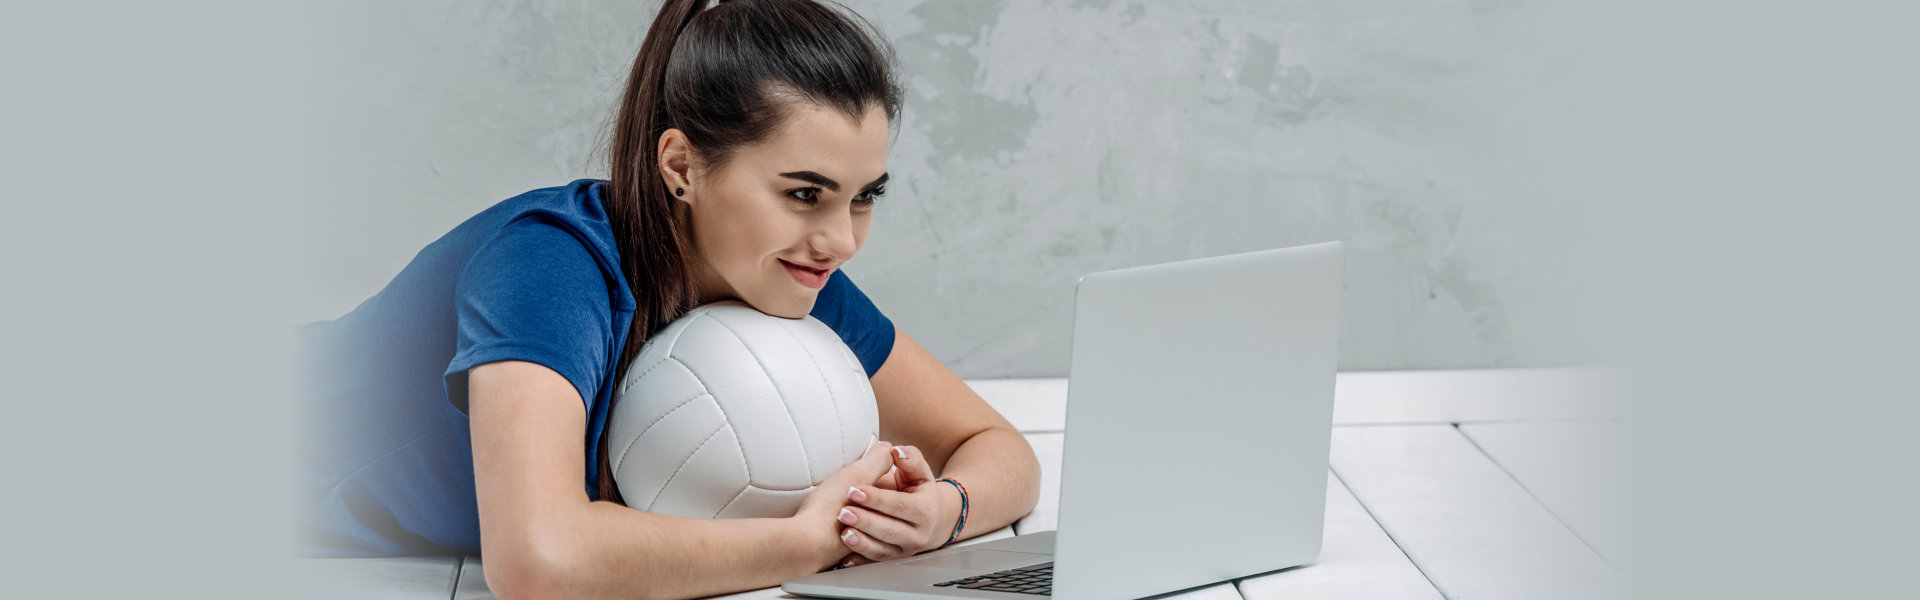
<point>1444,140</point>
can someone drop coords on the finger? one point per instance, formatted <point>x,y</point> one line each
<point>899,505</point>
<point>914,469</point>
<point>852,559</point>
<point>889,481</point>
<point>866,546</point>
<point>882,527</point>
<point>869,467</point>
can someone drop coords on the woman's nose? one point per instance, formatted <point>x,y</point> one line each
<point>835,237</point>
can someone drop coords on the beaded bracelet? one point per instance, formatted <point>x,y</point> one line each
<point>957,525</point>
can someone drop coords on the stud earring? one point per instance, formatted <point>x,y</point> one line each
<point>679,191</point>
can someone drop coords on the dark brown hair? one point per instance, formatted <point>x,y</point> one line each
<point>725,76</point>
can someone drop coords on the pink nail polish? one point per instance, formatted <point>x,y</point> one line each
<point>850,537</point>
<point>854,493</point>
<point>847,516</point>
<point>900,451</point>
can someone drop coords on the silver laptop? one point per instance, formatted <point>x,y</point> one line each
<point>1200,410</point>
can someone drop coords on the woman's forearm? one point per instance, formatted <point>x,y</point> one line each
<point>1002,478</point>
<point>619,552</point>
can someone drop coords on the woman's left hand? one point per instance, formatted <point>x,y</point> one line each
<point>884,524</point>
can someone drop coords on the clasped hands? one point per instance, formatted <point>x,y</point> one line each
<point>885,505</point>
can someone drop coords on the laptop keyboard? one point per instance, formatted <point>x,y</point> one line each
<point>1035,579</point>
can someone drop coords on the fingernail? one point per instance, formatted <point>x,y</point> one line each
<point>847,516</point>
<point>854,493</point>
<point>886,444</point>
<point>850,537</point>
<point>900,451</point>
<point>849,563</point>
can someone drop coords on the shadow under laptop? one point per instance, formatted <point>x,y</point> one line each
<point>1177,593</point>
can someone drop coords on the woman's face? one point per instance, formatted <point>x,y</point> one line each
<point>801,199</point>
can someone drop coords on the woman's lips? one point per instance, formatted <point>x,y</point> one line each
<point>807,277</point>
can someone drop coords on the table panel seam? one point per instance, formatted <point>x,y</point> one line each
<point>1536,498</point>
<point>459,568</point>
<point>1389,533</point>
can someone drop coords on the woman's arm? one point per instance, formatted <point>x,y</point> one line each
<point>542,538</point>
<point>925,405</point>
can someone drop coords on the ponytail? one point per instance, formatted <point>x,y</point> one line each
<point>652,248</point>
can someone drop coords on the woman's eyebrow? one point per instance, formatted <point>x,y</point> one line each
<point>829,183</point>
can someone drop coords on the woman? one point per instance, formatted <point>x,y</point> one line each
<point>461,409</point>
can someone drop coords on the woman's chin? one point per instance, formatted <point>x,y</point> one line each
<point>785,308</point>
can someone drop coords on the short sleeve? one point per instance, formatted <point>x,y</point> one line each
<point>849,313</point>
<point>534,292</point>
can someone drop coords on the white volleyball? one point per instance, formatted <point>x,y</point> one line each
<point>732,413</point>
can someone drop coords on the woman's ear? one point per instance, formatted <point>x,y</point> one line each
<point>676,161</point>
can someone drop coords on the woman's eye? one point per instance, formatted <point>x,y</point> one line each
<point>807,195</point>
<point>871,195</point>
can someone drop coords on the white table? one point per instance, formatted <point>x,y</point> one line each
<point>1489,483</point>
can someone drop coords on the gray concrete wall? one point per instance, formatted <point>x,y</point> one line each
<point>1447,141</point>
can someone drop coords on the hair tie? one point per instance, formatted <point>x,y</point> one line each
<point>962,523</point>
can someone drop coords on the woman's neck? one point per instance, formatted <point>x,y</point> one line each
<point>708,286</point>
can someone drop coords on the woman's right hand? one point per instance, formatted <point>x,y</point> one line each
<point>818,520</point>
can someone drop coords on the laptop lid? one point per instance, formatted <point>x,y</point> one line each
<point>1199,413</point>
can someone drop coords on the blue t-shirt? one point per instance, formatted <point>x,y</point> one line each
<point>385,452</point>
